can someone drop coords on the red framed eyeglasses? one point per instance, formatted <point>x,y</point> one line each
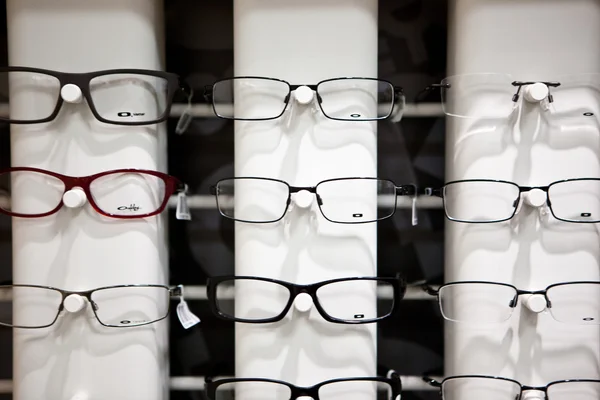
<point>121,193</point>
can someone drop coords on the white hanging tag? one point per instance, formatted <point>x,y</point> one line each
<point>186,317</point>
<point>186,117</point>
<point>182,212</point>
<point>415,218</point>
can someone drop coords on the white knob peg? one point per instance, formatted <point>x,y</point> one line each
<point>74,303</point>
<point>536,303</point>
<point>303,302</point>
<point>536,92</point>
<point>71,93</point>
<point>304,95</point>
<point>74,198</point>
<point>303,199</point>
<point>535,198</point>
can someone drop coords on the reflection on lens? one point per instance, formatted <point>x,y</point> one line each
<point>576,201</point>
<point>575,303</point>
<point>354,300</point>
<point>37,307</point>
<point>478,388</point>
<point>250,98</point>
<point>480,200</point>
<point>356,99</point>
<point>131,306</point>
<point>257,299</point>
<point>253,391</point>
<point>128,193</point>
<point>356,200</point>
<point>31,96</point>
<point>29,192</point>
<point>129,98</point>
<point>477,303</point>
<point>574,391</point>
<point>257,200</point>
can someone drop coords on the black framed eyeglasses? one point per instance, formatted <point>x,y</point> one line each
<point>463,387</point>
<point>119,306</point>
<point>481,302</point>
<point>341,200</point>
<point>494,95</point>
<point>488,201</point>
<point>255,98</point>
<point>115,96</point>
<point>334,389</point>
<point>269,300</point>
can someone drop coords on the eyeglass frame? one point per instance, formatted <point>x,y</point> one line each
<point>397,91</point>
<point>172,184</point>
<point>439,192</point>
<point>172,291</point>
<point>393,381</point>
<point>398,284</point>
<point>402,190</point>
<point>430,290</point>
<point>439,384</point>
<point>82,81</point>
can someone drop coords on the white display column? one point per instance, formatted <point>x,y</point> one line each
<point>532,40</point>
<point>304,42</point>
<point>78,249</point>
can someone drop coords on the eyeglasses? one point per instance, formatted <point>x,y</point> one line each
<point>253,98</point>
<point>479,302</point>
<point>334,389</point>
<point>344,301</point>
<point>471,387</point>
<point>121,193</point>
<point>491,95</point>
<point>117,96</point>
<point>120,306</point>
<point>487,200</point>
<point>341,200</point>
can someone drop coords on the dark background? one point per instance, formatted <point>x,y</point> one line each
<point>412,54</point>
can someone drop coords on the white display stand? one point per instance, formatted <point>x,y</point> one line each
<point>523,38</point>
<point>77,249</point>
<point>304,42</point>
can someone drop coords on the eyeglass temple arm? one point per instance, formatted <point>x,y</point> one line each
<point>433,192</point>
<point>432,382</point>
<point>182,212</point>
<point>208,93</point>
<point>398,107</point>
<point>410,190</point>
<point>425,286</point>
<point>419,96</point>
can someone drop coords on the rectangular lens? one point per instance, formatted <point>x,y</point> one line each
<point>478,95</point>
<point>357,200</point>
<point>477,303</point>
<point>30,193</point>
<point>355,300</point>
<point>128,194</point>
<point>31,307</point>
<point>356,99</point>
<point>480,201</point>
<point>355,390</point>
<point>129,98</point>
<point>574,390</point>
<point>250,98</point>
<point>575,303</point>
<point>258,200</point>
<point>131,306</point>
<point>257,299</point>
<point>577,96</point>
<point>253,391</point>
<point>576,201</point>
<point>477,388</point>
<point>31,96</point>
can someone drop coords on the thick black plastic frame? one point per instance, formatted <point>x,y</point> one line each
<point>394,382</point>
<point>441,193</point>
<point>172,292</point>
<point>398,285</point>
<point>397,92</point>
<point>82,80</point>
<point>440,385</point>
<point>402,190</point>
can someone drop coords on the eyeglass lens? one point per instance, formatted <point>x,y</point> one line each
<point>477,303</point>
<point>477,388</point>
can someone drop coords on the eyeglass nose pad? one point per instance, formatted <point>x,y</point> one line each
<point>515,300</point>
<point>319,98</point>
<point>319,199</point>
<point>287,98</point>
<point>94,305</point>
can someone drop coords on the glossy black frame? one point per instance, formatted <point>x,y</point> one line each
<point>438,384</point>
<point>397,92</point>
<point>514,302</point>
<point>440,192</point>
<point>171,291</point>
<point>394,383</point>
<point>402,190</point>
<point>398,285</point>
<point>82,80</point>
